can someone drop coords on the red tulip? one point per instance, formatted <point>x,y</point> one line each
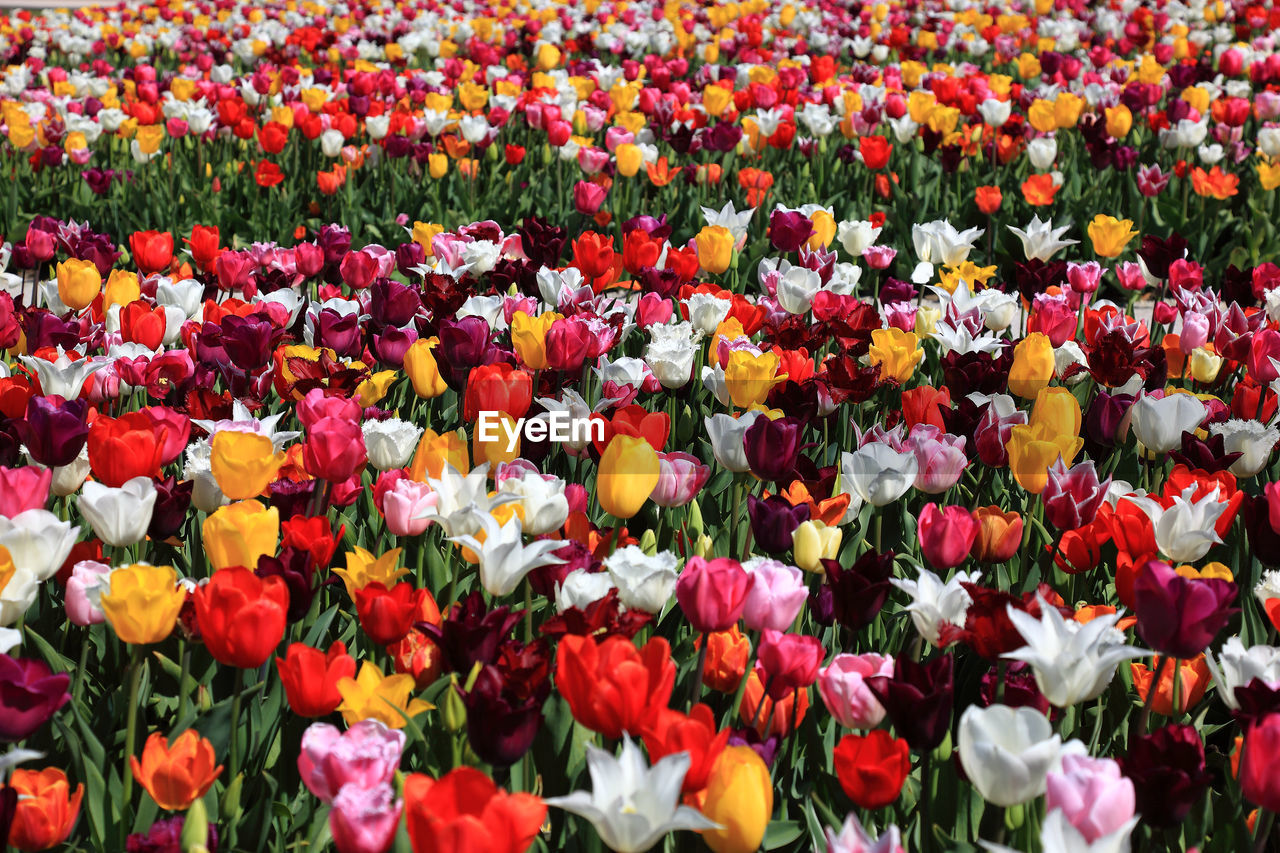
<point>152,251</point>
<point>310,678</point>
<point>872,768</point>
<point>946,535</point>
<point>612,687</point>
<point>334,449</point>
<point>387,615</point>
<point>241,616</point>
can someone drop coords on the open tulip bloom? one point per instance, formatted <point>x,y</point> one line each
<point>640,425</point>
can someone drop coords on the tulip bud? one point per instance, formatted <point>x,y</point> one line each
<point>195,829</point>
<point>704,547</point>
<point>649,543</point>
<point>229,807</point>
<point>453,710</point>
<point>813,542</point>
<point>694,525</point>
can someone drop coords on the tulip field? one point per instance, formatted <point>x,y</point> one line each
<point>617,425</point>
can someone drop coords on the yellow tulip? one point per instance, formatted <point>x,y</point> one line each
<point>1110,235</point>
<point>1041,116</point>
<point>424,233</point>
<point>78,283</point>
<point>363,569</point>
<point>715,248</point>
<point>435,451</point>
<point>630,159</point>
<point>628,475</point>
<point>1204,364</point>
<point>895,352</point>
<point>748,376</point>
<point>1269,175</point>
<point>548,56</point>
<point>150,137</point>
<point>716,99</point>
<point>1028,66</point>
<point>739,797</point>
<point>812,542</point>
<point>437,165</point>
<point>371,391</point>
<point>1033,449</point>
<point>1032,365</point>
<point>373,696</point>
<point>1119,121</point>
<point>1058,409</point>
<point>424,372</point>
<point>243,463</point>
<point>239,533</point>
<point>824,230</point>
<point>122,288</point>
<point>529,337</point>
<point>142,603</point>
<point>1066,109</point>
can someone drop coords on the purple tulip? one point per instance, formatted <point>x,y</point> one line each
<point>789,230</point>
<point>1180,616</point>
<point>773,521</point>
<point>29,695</point>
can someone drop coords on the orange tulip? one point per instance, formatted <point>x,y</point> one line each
<point>779,720</point>
<point>1194,679</point>
<point>177,774</point>
<point>47,808</point>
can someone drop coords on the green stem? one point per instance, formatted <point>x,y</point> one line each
<point>130,736</point>
<point>234,763</point>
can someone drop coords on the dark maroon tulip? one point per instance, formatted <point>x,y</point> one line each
<point>297,569</point>
<point>292,498</point>
<point>393,303</point>
<point>1159,253</point>
<point>1205,454</point>
<point>772,447</point>
<point>10,329</point>
<point>29,695</point>
<point>980,372</point>
<point>1102,420</point>
<point>54,431</point>
<point>859,592</point>
<point>464,344</point>
<point>1072,497</point>
<point>339,332</point>
<point>173,499</point>
<point>1264,541</point>
<point>1180,616</point>
<point>773,521</point>
<point>247,340</point>
<point>1020,688</point>
<point>1257,700</point>
<point>8,805</point>
<point>542,242</point>
<point>408,256</point>
<point>918,698</point>
<point>470,633</point>
<point>504,706</point>
<point>1168,773</point>
<point>789,230</point>
<point>44,329</point>
<point>335,240</point>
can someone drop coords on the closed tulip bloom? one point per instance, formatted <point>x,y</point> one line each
<point>243,463</point>
<point>871,768</point>
<point>1032,449</point>
<point>177,774</point>
<point>405,505</point>
<point>739,797</point>
<point>89,579</point>
<point>776,595</point>
<point>1072,497</point>
<point>242,617</point>
<point>773,447</point>
<point>1261,749</point>
<point>334,449</point>
<point>1110,235</point>
<point>715,248</point>
<point>896,353</point>
<point>78,283</point>
<point>24,488</point>
<point>387,614</point>
<point>239,533</point>
<point>788,662</point>
<point>465,810</point>
<point>629,472</point>
<point>940,458</point>
<point>1180,616</point>
<point>1183,681</point>
<point>918,698</point>
<point>1033,366</point>
<point>47,808</point>
<point>1159,422</point>
<point>30,694</point>
<point>680,477</point>
<point>37,541</point>
<point>877,473</point>
<point>120,517</point>
<point>310,678</point>
<point>727,435</point>
<point>1007,753</point>
<point>364,820</point>
<point>946,535</point>
<point>612,687</point>
<point>143,602</point>
<point>422,369</point>
<point>713,593</point>
<point>774,521</point>
<point>812,542</point>
<point>373,696</point>
<point>1094,796</point>
<point>999,535</point>
<point>365,755</point>
<point>748,376</point>
<point>843,688</point>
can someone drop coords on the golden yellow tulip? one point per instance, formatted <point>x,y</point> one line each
<point>239,533</point>
<point>142,603</point>
<point>628,475</point>
<point>243,463</point>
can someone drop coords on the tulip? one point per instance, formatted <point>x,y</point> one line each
<point>727,655</point>
<point>310,678</point>
<point>364,756</point>
<point>853,838</point>
<point>999,535</point>
<point>422,369</point>
<point>46,810</point>
<point>504,714</point>
<point>644,582</point>
<point>177,774</point>
<point>1033,365</point>
<point>858,593</point>
<point>629,472</point>
<point>680,477</point>
<point>120,517</point>
<point>767,717</point>
<point>748,377</point>
<point>372,696</point>
<point>610,686</point>
<point>1168,772</point>
<point>1237,666</point>
<point>946,535</point>
<point>243,463</point>
<point>788,662</point>
<point>918,699</point>
<point>23,488</point>
<point>896,353</point>
<point>1182,686</point>
<point>143,602</point>
<point>364,820</point>
<point>89,579</point>
<point>843,688</point>
<point>773,447</point>
<point>739,796</point>
<point>78,283</point>
<point>713,593</point>
<point>1160,422</point>
<point>1257,767</point>
<point>242,617</point>
<point>940,458</point>
<point>813,542</point>
<point>404,507</point>
<point>30,694</point>
<point>1072,497</point>
<point>872,768</point>
<point>239,533</point>
<point>774,521</point>
<point>877,473</point>
<point>465,810</point>
<point>1110,235</point>
<point>728,439</point>
<point>1092,794</point>
<point>1033,449</point>
<point>1180,616</point>
<point>775,597</point>
<point>1007,753</point>
<point>715,246</point>
<point>334,449</point>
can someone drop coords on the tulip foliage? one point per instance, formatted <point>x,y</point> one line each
<point>517,426</point>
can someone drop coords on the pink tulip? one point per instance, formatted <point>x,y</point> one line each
<point>1093,795</point>
<point>776,596</point>
<point>23,488</point>
<point>713,593</point>
<point>1264,353</point>
<point>365,756</point>
<point>843,688</point>
<point>364,820</point>
<point>316,405</point>
<point>940,458</point>
<point>652,309</point>
<point>680,477</point>
<point>402,505</point>
<point>1073,496</point>
<point>84,588</point>
<point>334,449</point>
<point>788,662</point>
<point>588,197</point>
<point>1084,278</point>
<point>946,535</point>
